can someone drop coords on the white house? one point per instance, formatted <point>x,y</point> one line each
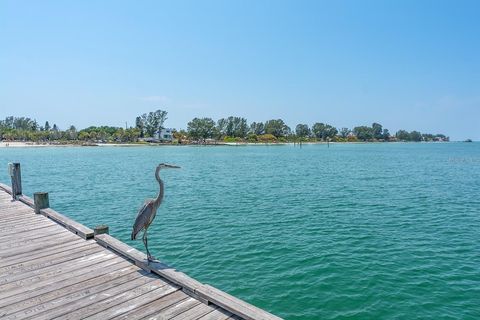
<point>166,134</point>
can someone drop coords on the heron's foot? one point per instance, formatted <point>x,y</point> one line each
<point>151,258</point>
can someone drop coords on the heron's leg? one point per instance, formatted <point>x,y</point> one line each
<point>145,243</point>
<point>149,256</point>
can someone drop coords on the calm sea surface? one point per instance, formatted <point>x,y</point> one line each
<point>354,231</point>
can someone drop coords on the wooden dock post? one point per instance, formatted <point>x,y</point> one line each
<point>15,174</point>
<point>101,229</point>
<point>41,201</point>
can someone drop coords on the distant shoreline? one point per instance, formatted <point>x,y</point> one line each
<point>27,144</point>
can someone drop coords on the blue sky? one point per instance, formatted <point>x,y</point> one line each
<point>404,64</point>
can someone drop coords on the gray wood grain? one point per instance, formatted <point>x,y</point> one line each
<point>11,231</point>
<point>46,251</point>
<point>174,310</point>
<point>127,301</point>
<point>72,301</point>
<point>154,306</point>
<point>53,259</point>
<point>33,298</point>
<point>67,306</point>
<point>23,240</point>
<point>29,296</point>
<point>32,234</point>
<point>35,246</point>
<point>32,277</point>
<point>217,314</point>
<point>21,213</point>
<point>22,219</point>
<point>46,284</point>
<point>194,313</point>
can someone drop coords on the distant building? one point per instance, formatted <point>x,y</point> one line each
<point>166,134</point>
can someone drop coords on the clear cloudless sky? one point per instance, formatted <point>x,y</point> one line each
<point>405,64</point>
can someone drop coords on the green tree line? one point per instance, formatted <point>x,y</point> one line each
<point>238,129</point>
<point>27,129</point>
<point>230,129</point>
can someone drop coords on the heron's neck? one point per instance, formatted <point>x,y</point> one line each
<point>159,198</point>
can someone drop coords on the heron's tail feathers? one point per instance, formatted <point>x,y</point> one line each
<point>134,235</point>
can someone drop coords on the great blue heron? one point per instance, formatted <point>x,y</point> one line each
<point>147,212</point>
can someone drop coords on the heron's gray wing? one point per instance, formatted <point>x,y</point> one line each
<point>144,205</point>
<point>143,218</point>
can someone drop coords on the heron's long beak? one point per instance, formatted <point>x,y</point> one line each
<point>171,166</point>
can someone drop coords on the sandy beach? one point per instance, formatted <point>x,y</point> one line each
<point>20,144</point>
<point>17,144</point>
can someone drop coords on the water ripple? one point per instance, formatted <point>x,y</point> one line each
<point>368,231</point>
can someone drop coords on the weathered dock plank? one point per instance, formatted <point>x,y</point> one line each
<point>156,288</point>
<point>23,240</point>
<point>217,314</point>
<point>32,277</point>
<point>46,283</point>
<point>141,311</point>
<point>20,211</point>
<point>34,246</point>
<point>195,312</point>
<point>34,297</point>
<point>132,303</point>
<point>29,256</point>
<point>50,269</point>
<point>174,310</point>
<point>41,263</point>
<point>69,306</point>
<point>28,237</point>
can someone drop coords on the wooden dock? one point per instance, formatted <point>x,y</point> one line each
<point>53,267</point>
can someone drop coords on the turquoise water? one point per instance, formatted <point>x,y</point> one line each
<point>354,231</point>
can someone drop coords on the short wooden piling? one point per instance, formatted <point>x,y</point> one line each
<point>41,201</point>
<point>101,229</point>
<point>15,174</point>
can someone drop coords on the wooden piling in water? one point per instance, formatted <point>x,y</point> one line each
<point>40,200</point>
<point>101,229</point>
<point>16,176</point>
